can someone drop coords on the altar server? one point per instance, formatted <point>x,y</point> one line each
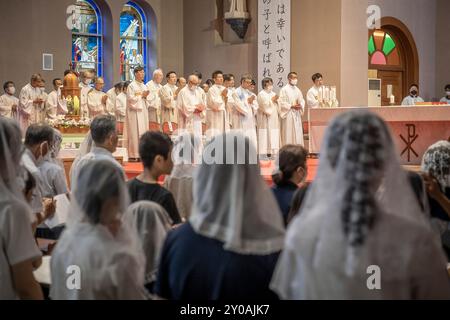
<point>292,108</point>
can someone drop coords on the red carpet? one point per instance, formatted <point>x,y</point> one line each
<point>133,169</point>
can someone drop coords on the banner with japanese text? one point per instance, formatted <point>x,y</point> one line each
<point>274,41</point>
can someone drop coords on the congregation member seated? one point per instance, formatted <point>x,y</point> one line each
<point>297,201</point>
<point>186,155</point>
<point>104,135</point>
<point>229,247</point>
<point>107,254</point>
<point>155,150</point>
<point>152,224</point>
<point>290,173</point>
<point>360,212</point>
<point>18,249</point>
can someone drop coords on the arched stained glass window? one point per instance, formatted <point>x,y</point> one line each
<point>133,40</point>
<point>383,50</point>
<point>87,37</point>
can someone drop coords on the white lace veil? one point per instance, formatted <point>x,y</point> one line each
<point>98,182</point>
<point>359,181</point>
<point>186,155</point>
<point>436,161</point>
<point>86,147</point>
<point>232,203</point>
<point>152,223</point>
<point>11,173</point>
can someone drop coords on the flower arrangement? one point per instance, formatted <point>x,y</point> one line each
<point>70,124</point>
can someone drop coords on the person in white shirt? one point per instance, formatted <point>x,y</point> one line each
<point>446,99</point>
<point>312,97</point>
<point>154,99</point>
<point>292,108</point>
<point>96,99</point>
<point>105,137</point>
<point>55,103</point>
<point>216,111</point>
<point>413,97</point>
<point>8,102</point>
<point>19,254</point>
<point>168,95</point>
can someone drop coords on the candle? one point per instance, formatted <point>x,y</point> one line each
<point>392,99</point>
<point>389,91</point>
<point>327,94</point>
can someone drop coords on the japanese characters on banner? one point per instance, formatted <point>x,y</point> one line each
<point>274,41</point>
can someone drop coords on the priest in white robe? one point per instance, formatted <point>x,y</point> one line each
<point>154,99</point>
<point>31,103</point>
<point>413,97</point>
<point>85,85</point>
<point>268,120</point>
<point>216,113</point>
<point>8,102</point>
<point>168,95</point>
<point>312,97</point>
<point>112,97</point>
<point>120,108</point>
<point>246,108</point>
<point>96,99</point>
<point>56,104</point>
<point>191,105</point>
<point>136,119</point>
<point>229,84</point>
<point>292,108</point>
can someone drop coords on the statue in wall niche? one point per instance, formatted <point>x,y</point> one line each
<point>238,17</point>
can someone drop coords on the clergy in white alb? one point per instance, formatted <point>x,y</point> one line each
<point>31,103</point>
<point>168,94</point>
<point>85,85</point>
<point>56,104</point>
<point>246,108</point>
<point>154,99</point>
<point>136,119</point>
<point>267,119</point>
<point>292,107</point>
<point>96,99</point>
<point>112,96</point>
<point>191,105</point>
<point>216,113</point>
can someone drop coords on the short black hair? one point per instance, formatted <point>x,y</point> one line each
<point>265,81</point>
<point>101,127</point>
<point>292,73</point>
<point>414,85</point>
<point>153,144</point>
<point>210,82</point>
<point>169,73</point>
<point>38,133</point>
<point>119,86</point>
<point>316,76</point>
<point>216,73</point>
<point>246,76</point>
<point>56,79</point>
<point>447,87</point>
<point>198,74</point>
<point>126,84</point>
<point>6,84</point>
<point>228,77</point>
<point>138,68</point>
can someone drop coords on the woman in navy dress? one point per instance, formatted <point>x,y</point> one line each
<point>229,248</point>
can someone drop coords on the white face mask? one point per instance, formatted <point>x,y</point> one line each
<point>294,82</point>
<point>87,81</point>
<point>42,90</point>
<point>193,88</point>
<point>11,90</point>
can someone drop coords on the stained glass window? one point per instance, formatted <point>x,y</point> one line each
<point>382,49</point>
<point>87,37</point>
<point>133,40</point>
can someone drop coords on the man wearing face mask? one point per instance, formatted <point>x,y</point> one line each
<point>191,104</point>
<point>292,109</point>
<point>56,104</point>
<point>85,85</point>
<point>38,139</point>
<point>96,99</point>
<point>446,99</point>
<point>8,102</point>
<point>413,97</point>
<point>153,99</point>
<point>31,103</point>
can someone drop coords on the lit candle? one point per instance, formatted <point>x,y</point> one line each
<point>392,99</point>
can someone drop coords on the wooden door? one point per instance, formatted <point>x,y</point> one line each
<point>394,78</point>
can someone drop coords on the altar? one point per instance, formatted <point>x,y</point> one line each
<point>414,129</point>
